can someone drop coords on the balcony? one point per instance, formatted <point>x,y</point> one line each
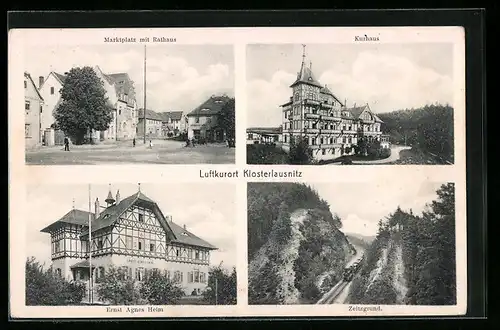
<point>312,116</point>
<point>312,102</point>
<point>312,130</point>
<point>327,105</point>
<point>330,131</point>
<point>330,118</point>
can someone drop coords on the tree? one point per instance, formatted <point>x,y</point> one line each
<point>157,289</point>
<point>226,118</point>
<point>117,288</point>
<point>84,106</point>
<point>300,153</point>
<point>46,288</point>
<point>221,288</point>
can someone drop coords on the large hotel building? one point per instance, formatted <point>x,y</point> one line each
<point>131,233</point>
<point>331,129</point>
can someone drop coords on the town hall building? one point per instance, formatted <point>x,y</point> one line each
<point>330,128</point>
<point>133,234</point>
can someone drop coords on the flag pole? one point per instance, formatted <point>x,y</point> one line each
<point>144,120</point>
<point>90,249</point>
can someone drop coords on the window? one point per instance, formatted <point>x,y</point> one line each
<point>58,272</point>
<point>350,139</point>
<point>197,255</point>
<point>343,139</point>
<point>323,151</point>
<point>25,84</point>
<point>58,246</point>
<point>27,130</point>
<point>99,244</point>
<point>190,254</point>
<point>120,111</point>
<point>141,217</point>
<point>151,247</point>
<point>140,245</point>
<point>313,141</point>
<point>197,120</point>
<point>41,110</point>
<point>190,277</point>
<point>100,272</point>
<point>26,105</point>
<point>139,274</point>
<point>197,276</point>
<point>128,242</point>
<point>82,275</point>
<point>51,90</point>
<point>178,252</point>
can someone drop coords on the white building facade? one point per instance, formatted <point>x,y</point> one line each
<point>131,234</point>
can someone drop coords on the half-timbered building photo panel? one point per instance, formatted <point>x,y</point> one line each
<point>149,244</point>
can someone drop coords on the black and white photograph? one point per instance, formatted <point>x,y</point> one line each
<point>129,104</point>
<point>349,104</point>
<point>351,243</point>
<point>150,244</point>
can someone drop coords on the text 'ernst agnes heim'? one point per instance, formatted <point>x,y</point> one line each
<point>251,174</point>
<point>134,39</point>
<point>133,310</point>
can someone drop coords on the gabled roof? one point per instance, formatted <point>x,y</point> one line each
<point>112,213</point>
<point>327,91</point>
<point>60,77</point>
<point>306,76</point>
<point>184,236</point>
<point>150,114</point>
<point>28,76</point>
<point>357,111</point>
<point>210,107</point>
<point>75,216</point>
<point>172,115</point>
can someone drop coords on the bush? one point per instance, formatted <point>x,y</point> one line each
<point>385,153</point>
<point>300,152</point>
<point>116,288</point>
<point>265,154</point>
<point>45,288</point>
<point>225,288</point>
<point>157,289</point>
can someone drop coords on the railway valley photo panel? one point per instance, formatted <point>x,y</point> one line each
<point>351,243</point>
<point>129,104</point>
<point>126,244</point>
<point>350,104</point>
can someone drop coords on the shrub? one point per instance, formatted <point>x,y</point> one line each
<point>45,288</point>
<point>157,289</point>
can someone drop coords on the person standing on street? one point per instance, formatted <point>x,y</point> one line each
<point>66,143</point>
<point>133,142</point>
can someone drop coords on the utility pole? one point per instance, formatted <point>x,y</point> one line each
<point>144,120</point>
<point>91,291</point>
<point>216,289</point>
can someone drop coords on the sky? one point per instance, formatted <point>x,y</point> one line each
<point>179,77</point>
<point>386,76</point>
<point>361,205</point>
<point>207,215</point>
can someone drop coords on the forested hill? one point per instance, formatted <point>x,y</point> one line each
<point>412,259</point>
<point>429,128</point>
<point>296,251</point>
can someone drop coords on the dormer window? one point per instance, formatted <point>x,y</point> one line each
<point>218,101</point>
<point>310,79</point>
<point>185,234</point>
<point>205,109</point>
<point>141,217</point>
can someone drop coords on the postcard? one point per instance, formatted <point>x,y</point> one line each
<point>190,172</point>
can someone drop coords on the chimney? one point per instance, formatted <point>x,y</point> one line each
<point>184,226</point>
<point>117,196</point>
<point>40,81</point>
<point>97,208</point>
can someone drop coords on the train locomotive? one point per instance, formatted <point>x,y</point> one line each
<point>350,271</point>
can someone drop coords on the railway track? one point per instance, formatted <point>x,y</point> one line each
<point>330,297</point>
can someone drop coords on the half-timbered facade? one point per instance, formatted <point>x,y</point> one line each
<point>132,234</point>
<point>331,128</point>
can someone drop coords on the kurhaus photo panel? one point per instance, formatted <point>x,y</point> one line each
<point>114,103</point>
<point>352,243</point>
<point>358,103</point>
<point>150,244</point>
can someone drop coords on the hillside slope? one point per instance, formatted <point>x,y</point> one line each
<point>412,259</point>
<point>296,250</point>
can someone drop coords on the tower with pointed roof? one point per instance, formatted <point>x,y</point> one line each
<point>314,113</point>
